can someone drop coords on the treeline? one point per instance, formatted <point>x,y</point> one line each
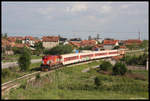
<point>58,50</point>
<point>135,60</point>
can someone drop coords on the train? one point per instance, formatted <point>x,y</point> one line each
<point>53,61</point>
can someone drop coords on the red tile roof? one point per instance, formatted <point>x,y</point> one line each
<point>110,42</point>
<point>14,38</point>
<point>75,43</point>
<point>19,45</point>
<point>88,43</point>
<point>5,43</point>
<point>50,38</point>
<point>11,44</point>
<point>28,37</point>
<point>132,41</point>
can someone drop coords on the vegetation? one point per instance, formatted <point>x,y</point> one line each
<point>145,44</point>
<point>5,36</point>
<point>18,41</point>
<point>98,81</point>
<point>133,46</point>
<point>60,49</point>
<point>38,48</point>
<point>105,66</point>
<point>86,48</point>
<point>119,69</point>
<point>14,72</point>
<point>17,50</point>
<point>116,47</point>
<point>6,73</point>
<point>135,60</point>
<point>24,60</point>
<point>71,83</point>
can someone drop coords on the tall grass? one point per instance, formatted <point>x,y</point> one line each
<point>14,72</point>
<point>71,83</point>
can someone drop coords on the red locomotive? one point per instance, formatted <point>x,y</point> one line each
<point>49,61</point>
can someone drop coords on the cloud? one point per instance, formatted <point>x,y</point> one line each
<point>45,11</point>
<point>124,6</point>
<point>105,9</point>
<point>77,8</point>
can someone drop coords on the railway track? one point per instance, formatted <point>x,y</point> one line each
<point>15,83</point>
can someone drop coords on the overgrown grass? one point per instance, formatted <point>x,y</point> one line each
<point>71,83</point>
<point>14,72</point>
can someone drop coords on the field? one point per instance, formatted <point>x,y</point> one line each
<point>71,83</point>
<point>13,73</point>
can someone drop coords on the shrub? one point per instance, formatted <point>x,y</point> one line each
<point>97,81</point>
<point>17,50</point>
<point>38,76</point>
<point>24,60</point>
<point>119,68</point>
<point>6,72</point>
<point>106,65</point>
<point>60,49</point>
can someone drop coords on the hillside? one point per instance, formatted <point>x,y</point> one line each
<point>71,83</point>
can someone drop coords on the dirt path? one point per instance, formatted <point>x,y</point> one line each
<point>87,69</point>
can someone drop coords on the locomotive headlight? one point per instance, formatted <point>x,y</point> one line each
<point>47,62</point>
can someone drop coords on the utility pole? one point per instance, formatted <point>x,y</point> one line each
<point>139,35</point>
<point>147,64</point>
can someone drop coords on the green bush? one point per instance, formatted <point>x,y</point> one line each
<point>119,68</point>
<point>86,48</point>
<point>97,81</point>
<point>17,50</point>
<point>135,60</point>
<point>6,72</point>
<point>24,60</point>
<point>60,49</point>
<point>38,76</point>
<point>106,65</point>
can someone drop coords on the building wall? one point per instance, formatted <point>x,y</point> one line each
<point>50,44</point>
<point>108,46</point>
<point>28,41</point>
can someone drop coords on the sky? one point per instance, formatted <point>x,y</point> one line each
<point>118,20</point>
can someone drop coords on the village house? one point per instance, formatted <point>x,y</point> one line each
<point>62,40</point>
<point>110,44</point>
<point>132,41</point>
<point>15,38</point>
<point>97,47</point>
<point>29,40</point>
<point>50,41</point>
<point>84,43</point>
<point>74,44</point>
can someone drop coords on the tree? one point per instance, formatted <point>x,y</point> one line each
<point>17,50</point>
<point>38,48</point>
<point>18,41</point>
<point>119,68</point>
<point>24,60</point>
<point>5,36</point>
<point>116,47</point>
<point>144,44</point>
<point>106,65</point>
<point>86,48</point>
<point>58,50</point>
